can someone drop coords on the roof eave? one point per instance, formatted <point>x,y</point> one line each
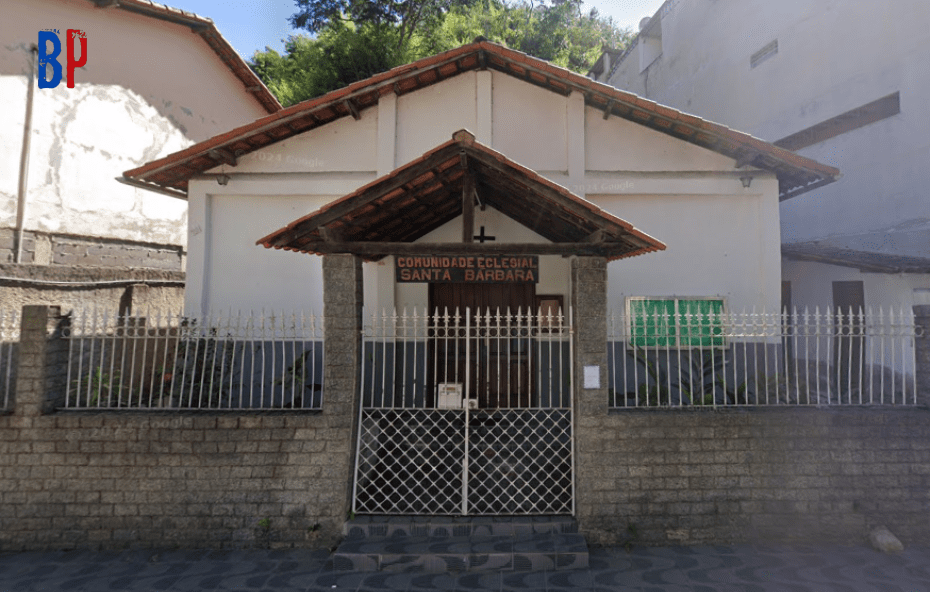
<point>204,28</point>
<point>597,95</point>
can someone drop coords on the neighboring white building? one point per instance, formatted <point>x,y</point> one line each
<point>675,177</point>
<point>156,80</point>
<point>843,83</point>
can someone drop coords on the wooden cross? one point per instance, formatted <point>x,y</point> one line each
<point>484,237</point>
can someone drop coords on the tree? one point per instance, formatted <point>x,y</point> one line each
<point>342,53</point>
<point>561,33</point>
<point>358,39</point>
<point>407,16</point>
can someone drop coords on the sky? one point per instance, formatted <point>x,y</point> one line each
<point>251,25</point>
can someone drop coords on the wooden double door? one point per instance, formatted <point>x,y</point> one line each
<point>495,352</point>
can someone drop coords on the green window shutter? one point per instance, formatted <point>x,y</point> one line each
<point>653,323</point>
<point>700,323</point>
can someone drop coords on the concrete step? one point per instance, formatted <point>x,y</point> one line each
<point>442,544</point>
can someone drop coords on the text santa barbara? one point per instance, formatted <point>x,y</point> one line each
<point>482,268</point>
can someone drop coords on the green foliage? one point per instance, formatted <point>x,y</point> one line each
<point>296,376</point>
<point>701,380</point>
<point>106,390</point>
<point>654,391</point>
<point>561,33</point>
<point>201,364</point>
<point>355,40</point>
<point>406,16</point>
<point>341,54</point>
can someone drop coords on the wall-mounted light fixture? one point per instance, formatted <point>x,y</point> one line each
<point>746,180</point>
<point>224,179</point>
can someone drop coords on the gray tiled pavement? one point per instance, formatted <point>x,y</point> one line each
<point>658,569</point>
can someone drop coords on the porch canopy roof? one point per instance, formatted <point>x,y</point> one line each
<point>386,216</point>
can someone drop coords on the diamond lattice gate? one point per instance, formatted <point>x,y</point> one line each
<point>466,414</point>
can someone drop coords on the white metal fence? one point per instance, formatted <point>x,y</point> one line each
<point>170,361</point>
<point>466,412</point>
<point>9,348</point>
<point>494,359</point>
<point>829,357</point>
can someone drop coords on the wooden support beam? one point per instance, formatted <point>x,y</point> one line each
<point>331,235</point>
<point>746,159</point>
<point>468,208</point>
<point>541,189</point>
<point>353,109</point>
<point>153,187</point>
<point>391,248</point>
<point>346,206</point>
<point>224,156</point>
<point>598,236</point>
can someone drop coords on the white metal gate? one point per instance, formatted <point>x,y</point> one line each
<point>466,414</point>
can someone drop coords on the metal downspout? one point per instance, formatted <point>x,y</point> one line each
<point>24,157</point>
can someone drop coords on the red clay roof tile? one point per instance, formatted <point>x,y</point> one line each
<point>795,172</point>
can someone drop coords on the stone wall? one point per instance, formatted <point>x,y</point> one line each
<point>108,480</point>
<point>697,476</point>
<point>752,475</point>
<point>650,476</point>
<point>143,479</point>
<point>112,289</point>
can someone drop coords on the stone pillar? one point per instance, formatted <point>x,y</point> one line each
<point>589,307</point>
<point>342,349</point>
<point>922,343</point>
<point>42,364</point>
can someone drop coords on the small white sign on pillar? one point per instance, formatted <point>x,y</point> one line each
<point>592,377</point>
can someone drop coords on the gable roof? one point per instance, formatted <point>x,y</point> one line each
<point>408,203</point>
<point>796,174</point>
<point>861,260</point>
<point>206,29</point>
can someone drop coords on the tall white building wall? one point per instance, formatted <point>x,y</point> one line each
<point>773,69</point>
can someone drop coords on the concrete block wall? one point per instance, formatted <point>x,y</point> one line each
<point>8,246</point>
<point>82,251</point>
<point>87,252</point>
<point>128,481</point>
<point>117,480</point>
<point>140,479</point>
<point>804,475</point>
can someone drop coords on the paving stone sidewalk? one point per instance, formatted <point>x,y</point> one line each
<point>655,569</point>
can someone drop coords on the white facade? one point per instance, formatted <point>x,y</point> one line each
<point>774,69</point>
<point>689,197</point>
<point>149,87</point>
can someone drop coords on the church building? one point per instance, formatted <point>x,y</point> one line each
<point>465,224</point>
